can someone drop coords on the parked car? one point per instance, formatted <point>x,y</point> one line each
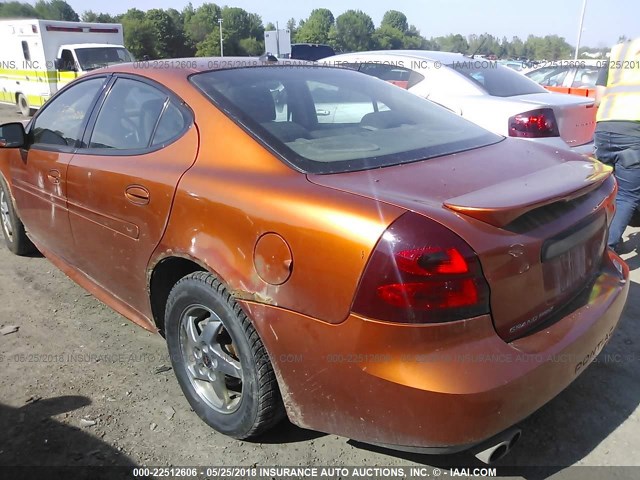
<point>575,77</point>
<point>398,275</point>
<point>310,51</point>
<point>491,95</point>
<point>516,65</point>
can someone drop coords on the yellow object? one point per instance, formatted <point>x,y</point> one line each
<point>621,100</point>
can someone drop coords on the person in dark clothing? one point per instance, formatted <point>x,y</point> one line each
<point>617,135</point>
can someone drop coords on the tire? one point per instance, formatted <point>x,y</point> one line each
<point>23,105</point>
<point>219,360</point>
<point>13,230</point>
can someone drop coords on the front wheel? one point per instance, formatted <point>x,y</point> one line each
<point>13,230</point>
<point>219,359</point>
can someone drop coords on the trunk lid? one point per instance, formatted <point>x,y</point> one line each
<point>576,116</point>
<point>536,217</point>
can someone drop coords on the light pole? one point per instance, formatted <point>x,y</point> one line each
<point>584,8</point>
<point>221,48</point>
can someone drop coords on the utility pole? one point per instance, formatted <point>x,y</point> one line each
<point>584,8</point>
<point>221,48</point>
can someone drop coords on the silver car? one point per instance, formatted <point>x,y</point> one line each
<point>491,95</point>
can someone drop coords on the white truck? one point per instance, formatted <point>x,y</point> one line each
<point>40,56</point>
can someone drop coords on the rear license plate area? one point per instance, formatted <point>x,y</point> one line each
<point>571,258</point>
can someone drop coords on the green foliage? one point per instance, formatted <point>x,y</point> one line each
<point>201,22</point>
<point>453,43</point>
<point>395,19</point>
<point>388,38</point>
<point>353,31</point>
<point>56,10</point>
<point>316,28</point>
<point>251,47</point>
<point>293,30</point>
<point>18,10</point>
<point>210,46</point>
<point>170,41</point>
<point>171,33</point>
<point>91,16</point>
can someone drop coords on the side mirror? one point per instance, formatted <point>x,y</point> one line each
<point>58,63</point>
<point>12,135</point>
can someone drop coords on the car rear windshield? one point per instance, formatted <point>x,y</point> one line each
<point>327,120</point>
<point>495,79</point>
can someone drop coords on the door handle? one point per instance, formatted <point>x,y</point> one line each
<point>54,176</point>
<point>137,194</point>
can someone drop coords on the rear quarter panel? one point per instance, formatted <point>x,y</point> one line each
<point>237,191</point>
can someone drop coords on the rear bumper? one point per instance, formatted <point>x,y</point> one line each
<point>440,387</point>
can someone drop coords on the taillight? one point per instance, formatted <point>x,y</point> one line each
<point>421,272</point>
<point>534,124</point>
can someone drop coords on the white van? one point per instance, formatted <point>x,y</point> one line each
<point>41,56</point>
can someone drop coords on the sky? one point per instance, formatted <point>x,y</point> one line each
<point>604,21</point>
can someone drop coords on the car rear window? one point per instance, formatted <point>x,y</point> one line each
<point>497,80</point>
<point>327,120</point>
<point>311,52</point>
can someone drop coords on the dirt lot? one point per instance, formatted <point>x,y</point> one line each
<point>80,385</point>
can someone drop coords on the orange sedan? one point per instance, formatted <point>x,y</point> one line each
<point>316,243</point>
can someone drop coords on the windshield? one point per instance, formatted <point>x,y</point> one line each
<point>497,80</point>
<point>96,57</point>
<point>326,120</point>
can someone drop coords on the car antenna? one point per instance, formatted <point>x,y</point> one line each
<point>484,39</point>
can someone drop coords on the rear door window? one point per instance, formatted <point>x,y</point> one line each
<point>128,117</point>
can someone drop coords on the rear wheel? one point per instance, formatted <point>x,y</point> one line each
<point>219,359</point>
<point>23,105</point>
<point>13,230</point>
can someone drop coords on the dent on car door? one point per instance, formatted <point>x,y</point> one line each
<point>139,143</point>
<point>40,178</point>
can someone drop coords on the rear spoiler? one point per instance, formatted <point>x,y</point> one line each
<point>502,203</point>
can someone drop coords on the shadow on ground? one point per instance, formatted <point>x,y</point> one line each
<point>35,445</point>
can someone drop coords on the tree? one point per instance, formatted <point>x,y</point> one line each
<point>316,28</point>
<point>291,26</point>
<point>353,31</point>
<point>395,19</point>
<point>139,35</point>
<point>209,47</point>
<point>170,41</point>
<point>269,27</point>
<point>91,16</point>
<point>18,10</point>
<point>453,43</point>
<point>387,37</point>
<point>251,46</point>
<point>237,25</point>
<point>201,22</point>
<point>56,10</point>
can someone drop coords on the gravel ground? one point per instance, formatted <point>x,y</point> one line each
<point>80,385</point>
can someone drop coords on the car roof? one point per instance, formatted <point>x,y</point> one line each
<point>202,64</point>
<point>91,45</point>
<point>444,57</point>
